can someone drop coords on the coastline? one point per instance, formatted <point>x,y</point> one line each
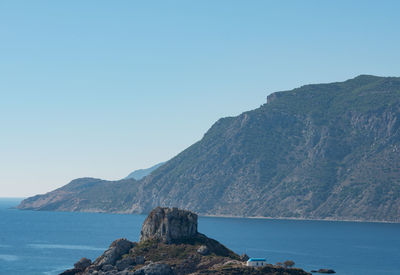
<point>94,210</point>
<point>297,219</point>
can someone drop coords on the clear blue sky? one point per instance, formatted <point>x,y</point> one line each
<point>101,88</point>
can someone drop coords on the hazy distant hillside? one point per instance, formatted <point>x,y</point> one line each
<point>141,173</point>
<point>85,194</point>
<point>325,151</point>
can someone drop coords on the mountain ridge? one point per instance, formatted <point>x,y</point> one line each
<point>141,173</point>
<point>320,151</point>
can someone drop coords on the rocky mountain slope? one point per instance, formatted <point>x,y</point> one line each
<point>170,245</point>
<point>325,151</point>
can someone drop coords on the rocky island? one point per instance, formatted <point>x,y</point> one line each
<point>171,245</point>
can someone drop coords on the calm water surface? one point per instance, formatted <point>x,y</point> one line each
<point>49,242</point>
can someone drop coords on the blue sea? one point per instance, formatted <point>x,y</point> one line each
<point>35,242</point>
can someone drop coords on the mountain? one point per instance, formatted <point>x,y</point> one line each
<point>89,194</point>
<point>85,195</point>
<point>141,173</point>
<point>324,151</point>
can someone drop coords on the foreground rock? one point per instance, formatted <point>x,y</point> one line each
<point>155,269</point>
<point>170,245</point>
<point>114,252</point>
<point>82,264</point>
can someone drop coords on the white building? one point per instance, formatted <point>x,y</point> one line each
<point>256,262</point>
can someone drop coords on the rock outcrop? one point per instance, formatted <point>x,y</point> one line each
<point>203,250</point>
<point>79,267</point>
<point>169,225</point>
<point>155,269</point>
<point>116,250</point>
<point>82,264</point>
<point>171,245</point>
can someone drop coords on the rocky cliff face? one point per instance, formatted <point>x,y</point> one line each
<point>325,151</point>
<point>189,252</point>
<point>169,225</point>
